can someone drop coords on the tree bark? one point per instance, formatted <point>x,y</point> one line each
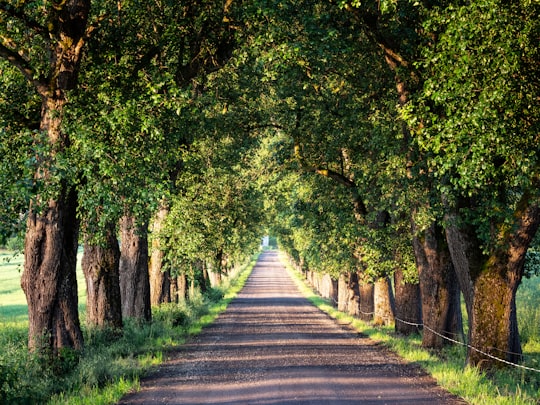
<point>160,281</point>
<point>100,265</point>
<point>49,278</point>
<point>328,288</point>
<point>367,303</point>
<point>493,280</point>
<point>134,277</point>
<point>384,302</point>
<point>342,293</point>
<point>348,293</point>
<point>408,305</point>
<point>353,296</point>
<point>181,288</point>
<point>441,306</point>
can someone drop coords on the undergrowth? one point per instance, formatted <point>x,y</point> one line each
<point>112,362</point>
<point>503,387</point>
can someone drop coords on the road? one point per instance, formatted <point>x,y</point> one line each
<point>271,346</point>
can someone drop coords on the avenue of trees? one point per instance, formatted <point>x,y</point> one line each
<point>384,143</point>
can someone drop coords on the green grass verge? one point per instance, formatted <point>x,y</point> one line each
<point>505,387</point>
<point>111,364</point>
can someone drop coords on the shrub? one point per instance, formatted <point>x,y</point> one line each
<point>15,243</point>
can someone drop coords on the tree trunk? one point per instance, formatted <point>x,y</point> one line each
<point>49,278</point>
<point>367,303</point>
<point>342,293</point>
<point>348,293</point>
<point>160,284</point>
<point>493,279</point>
<point>441,306</point>
<point>353,297</point>
<point>328,288</point>
<point>134,277</point>
<point>100,265</point>
<point>182,290</point>
<point>201,277</point>
<point>408,305</point>
<point>384,302</point>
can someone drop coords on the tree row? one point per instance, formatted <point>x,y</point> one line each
<point>393,138</point>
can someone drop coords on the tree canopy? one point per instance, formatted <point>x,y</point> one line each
<point>349,129</point>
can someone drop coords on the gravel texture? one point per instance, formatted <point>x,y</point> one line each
<point>271,346</point>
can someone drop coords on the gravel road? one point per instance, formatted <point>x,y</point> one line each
<point>271,346</point>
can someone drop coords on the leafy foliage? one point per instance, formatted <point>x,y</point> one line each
<point>478,116</point>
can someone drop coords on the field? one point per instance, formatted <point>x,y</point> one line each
<point>13,307</point>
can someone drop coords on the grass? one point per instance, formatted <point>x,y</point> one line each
<point>12,302</point>
<point>504,387</point>
<point>110,365</point>
<point>13,307</point>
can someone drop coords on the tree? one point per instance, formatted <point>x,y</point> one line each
<point>100,265</point>
<point>335,100</point>
<point>44,41</point>
<point>477,120</point>
<point>134,279</point>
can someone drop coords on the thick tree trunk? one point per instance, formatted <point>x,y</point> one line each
<point>160,281</point>
<point>367,303</point>
<point>384,302</point>
<point>49,278</point>
<point>441,307</point>
<point>100,265</point>
<point>408,305</point>
<point>353,288</point>
<point>348,293</point>
<point>328,288</point>
<point>160,284</point>
<point>493,280</point>
<point>134,277</point>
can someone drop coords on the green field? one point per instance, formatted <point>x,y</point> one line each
<point>13,307</point>
<point>12,301</point>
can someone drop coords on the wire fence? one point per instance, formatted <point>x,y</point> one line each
<point>455,341</point>
<point>423,326</point>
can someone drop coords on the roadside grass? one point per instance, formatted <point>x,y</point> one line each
<point>504,387</point>
<point>111,363</point>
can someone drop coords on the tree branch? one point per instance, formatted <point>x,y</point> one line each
<point>92,27</point>
<point>341,179</point>
<point>23,66</point>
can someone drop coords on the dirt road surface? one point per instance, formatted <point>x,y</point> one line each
<point>271,346</point>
